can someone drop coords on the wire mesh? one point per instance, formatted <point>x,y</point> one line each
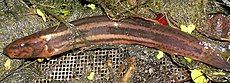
<point>75,67</point>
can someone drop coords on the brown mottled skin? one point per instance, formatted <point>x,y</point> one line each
<point>100,30</point>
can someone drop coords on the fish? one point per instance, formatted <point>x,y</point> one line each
<point>100,30</point>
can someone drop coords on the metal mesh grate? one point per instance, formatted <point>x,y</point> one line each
<point>74,67</point>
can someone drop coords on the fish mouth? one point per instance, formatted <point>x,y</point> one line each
<point>8,52</point>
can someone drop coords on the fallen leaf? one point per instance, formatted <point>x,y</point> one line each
<point>160,54</point>
<point>198,76</point>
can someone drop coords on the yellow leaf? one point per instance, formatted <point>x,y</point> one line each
<point>198,77</point>
<point>92,6</point>
<point>160,54</point>
<point>188,29</point>
<point>183,28</point>
<point>40,59</point>
<point>40,13</point>
<point>7,64</point>
<point>188,59</point>
<point>91,76</point>
<point>191,28</point>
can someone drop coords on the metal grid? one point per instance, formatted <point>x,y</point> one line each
<point>76,66</point>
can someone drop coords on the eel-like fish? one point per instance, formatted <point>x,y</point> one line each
<point>99,30</point>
